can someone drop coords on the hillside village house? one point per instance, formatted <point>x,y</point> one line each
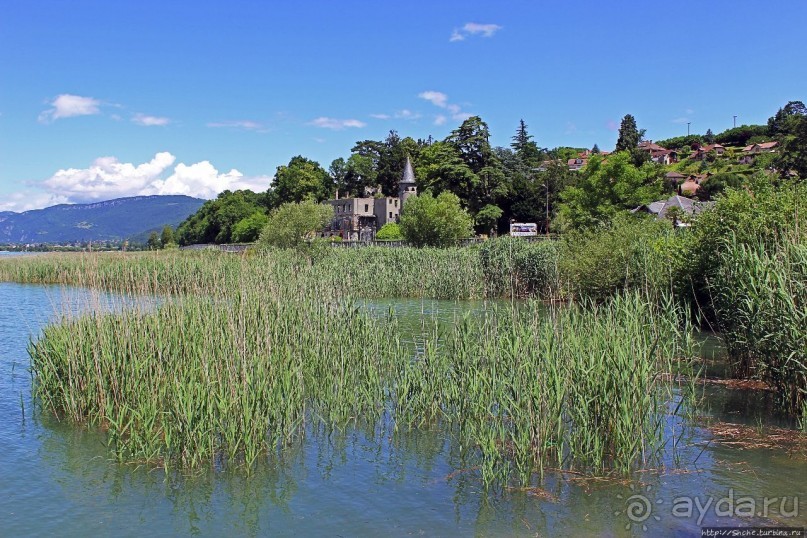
<point>659,154</point>
<point>685,184</point>
<point>582,159</point>
<point>693,183</point>
<point>358,219</point>
<point>701,152</point>
<point>750,152</point>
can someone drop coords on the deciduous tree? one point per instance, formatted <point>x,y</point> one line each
<point>430,221</point>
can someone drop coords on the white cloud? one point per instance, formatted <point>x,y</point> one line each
<point>406,114</point>
<point>26,200</point>
<point>436,98</point>
<point>439,99</point>
<point>150,121</point>
<point>474,29</point>
<point>456,36</point>
<point>67,106</point>
<point>108,178</point>
<point>440,119</point>
<point>681,120</point>
<point>335,124</point>
<point>403,114</point>
<point>247,125</point>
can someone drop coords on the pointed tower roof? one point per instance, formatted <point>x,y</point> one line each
<point>409,173</point>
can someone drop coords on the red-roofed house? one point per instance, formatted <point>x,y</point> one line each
<point>750,152</point>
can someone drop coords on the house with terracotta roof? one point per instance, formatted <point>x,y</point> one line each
<point>693,183</point>
<point>700,153</point>
<point>577,163</point>
<point>675,178</point>
<point>659,154</point>
<point>750,152</point>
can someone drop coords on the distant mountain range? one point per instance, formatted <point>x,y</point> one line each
<point>113,220</point>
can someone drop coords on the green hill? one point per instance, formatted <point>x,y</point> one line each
<point>112,220</point>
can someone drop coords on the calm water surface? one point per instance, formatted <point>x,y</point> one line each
<point>57,479</point>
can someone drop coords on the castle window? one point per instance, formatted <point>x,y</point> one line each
<point>390,214</point>
<point>366,208</point>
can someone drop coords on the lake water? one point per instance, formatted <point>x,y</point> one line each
<point>57,478</point>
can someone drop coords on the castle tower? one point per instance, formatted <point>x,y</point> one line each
<point>407,186</point>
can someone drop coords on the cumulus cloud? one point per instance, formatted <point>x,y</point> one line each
<point>335,124</point>
<point>439,99</point>
<point>67,106</point>
<point>436,98</point>
<point>26,200</point>
<point>474,29</point>
<point>150,121</point>
<point>246,125</point>
<point>380,116</point>
<point>108,178</point>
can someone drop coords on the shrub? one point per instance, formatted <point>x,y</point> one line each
<point>248,229</point>
<point>631,252</point>
<point>761,212</point>
<point>389,232</point>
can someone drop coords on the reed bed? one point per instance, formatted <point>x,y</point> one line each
<point>247,351</point>
<point>760,298</point>
<point>583,388</point>
<point>226,377</point>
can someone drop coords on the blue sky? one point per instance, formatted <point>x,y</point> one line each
<point>102,99</point>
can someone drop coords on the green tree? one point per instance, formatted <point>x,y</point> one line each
<point>629,134</point>
<point>487,218</point>
<point>167,237</point>
<point>248,229</point>
<point>153,242</point>
<point>596,149</point>
<point>389,232</point>
<point>339,171</point>
<point>441,169</point>
<point>363,165</point>
<point>717,183</point>
<point>294,224</point>
<point>739,136</point>
<point>471,141</point>
<point>709,137</point>
<point>302,179</point>
<point>394,151</point>
<point>793,156</point>
<point>430,221</point>
<point>214,221</point>
<point>777,125</point>
<point>524,147</point>
<point>606,188</point>
<point>532,190</point>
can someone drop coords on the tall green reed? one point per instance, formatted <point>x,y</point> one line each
<point>760,297</point>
